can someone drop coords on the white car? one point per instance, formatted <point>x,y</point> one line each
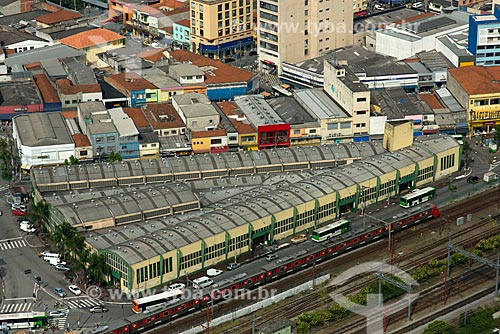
<point>213,272</point>
<point>76,290</point>
<point>176,286</point>
<point>26,227</point>
<point>379,7</point>
<point>20,206</point>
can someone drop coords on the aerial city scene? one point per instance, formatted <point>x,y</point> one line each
<point>249,166</point>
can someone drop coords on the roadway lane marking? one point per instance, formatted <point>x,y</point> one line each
<point>11,239</point>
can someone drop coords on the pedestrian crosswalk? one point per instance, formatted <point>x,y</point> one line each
<point>11,244</point>
<point>60,322</point>
<point>15,307</point>
<point>82,303</point>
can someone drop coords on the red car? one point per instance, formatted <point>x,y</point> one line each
<point>19,212</point>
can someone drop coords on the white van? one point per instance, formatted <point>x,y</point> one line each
<point>417,5</point>
<point>202,282</point>
<point>50,256</point>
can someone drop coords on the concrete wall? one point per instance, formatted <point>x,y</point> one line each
<point>398,135</point>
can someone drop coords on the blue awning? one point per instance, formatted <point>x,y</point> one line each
<point>225,46</point>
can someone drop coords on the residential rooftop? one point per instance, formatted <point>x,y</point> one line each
<point>91,38</point>
<point>48,92</point>
<point>58,17</point>
<point>477,79</point>
<point>123,123</point>
<point>257,110</point>
<point>216,71</point>
<point>319,104</point>
<point>129,81</point>
<point>41,54</point>
<point>162,116</point>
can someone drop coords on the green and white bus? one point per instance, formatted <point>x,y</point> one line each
<point>24,320</point>
<point>417,196</point>
<point>331,230</point>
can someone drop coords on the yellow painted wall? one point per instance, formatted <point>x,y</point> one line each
<point>200,145</point>
<point>398,135</point>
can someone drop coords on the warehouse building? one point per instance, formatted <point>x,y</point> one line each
<point>239,212</point>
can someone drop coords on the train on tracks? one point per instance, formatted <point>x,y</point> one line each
<point>141,322</point>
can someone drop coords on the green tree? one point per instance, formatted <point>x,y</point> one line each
<point>72,161</point>
<point>96,268</point>
<point>439,327</point>
<point>114,157</point>
<point>5,157</point>
<point>477,322</point>
<point>466,150</point>
<point>38,214</point>
<point>496,135</point>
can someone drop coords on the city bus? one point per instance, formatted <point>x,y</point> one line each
<point>331,230</point>
<point>417,196</point>
<point>458,138</point>
<point>141,304</point>
<point>27,320</point>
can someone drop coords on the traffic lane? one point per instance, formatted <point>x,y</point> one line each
<point>17,283</point>
<point>10,228</point>
<point>82,318</point>
<point>29,262</point>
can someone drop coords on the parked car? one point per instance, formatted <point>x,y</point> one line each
<point>60,292</point>
<point>298,239</point>
<point>176,286</point>
<point>379,7</point>
<point>417,5</point>
<point>18,206</point>
<point>472,179</point>
<point>27,227</point>
<point>233,266</point>
<point>21,219</point>
<point>98,309</point>
<point>228,60</point>
<point>271,257</point>
<point>252,53</point>
<point>19,212</point>
<point>62,267</point>
<point>76,290</point>
<point>56,314</point>
<point>213,272</point>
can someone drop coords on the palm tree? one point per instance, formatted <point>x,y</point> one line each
<point>38,213</point>
<point>97,269</point>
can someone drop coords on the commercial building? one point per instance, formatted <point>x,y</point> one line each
<point>149,144</point>
<point>196,111</point>
<point>182,34</point>
<point>17,97</point>
<point>137,89</point>
<point>220,28</point>
<point>128,135</point>
<point>42,139</point>
<point>477,90</point>
<point>483,41</point>
<point>19,41</point>
<point>93,42</point>
<point>295,30</point>
<point>408,38</point>
<point>223,81</point>
<point>248,198</point>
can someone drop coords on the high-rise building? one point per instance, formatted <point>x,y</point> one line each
<point>483,41</point>
<point>221,28</point>
<point>295,30</point>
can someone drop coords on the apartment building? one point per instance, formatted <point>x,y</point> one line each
<point>220,28</point>
<point>294,30</point>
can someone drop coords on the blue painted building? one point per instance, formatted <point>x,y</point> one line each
<point>182,34</point>
<point>483,41</point>
<point>128,135</point>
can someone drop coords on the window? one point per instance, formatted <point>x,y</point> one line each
<point>361,99</point>
<point>360,125</point>
<point>332,126</point>
<point>306,3</point>
<point>194,123</point>
<point>219,8</point>
<point>361,112</point>
<point>201,8</point>
<point>110,139</point>
<point>296,132</point>
<point>215,141</point>
<point>306,12</point>
<point>312,131</point>
<point>226,6</point>
<point>99,139</point>
<point>306,52</point>
<point>83,152</point>
<point>345,125</point>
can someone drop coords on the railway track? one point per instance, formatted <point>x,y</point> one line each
<point>448,214</point>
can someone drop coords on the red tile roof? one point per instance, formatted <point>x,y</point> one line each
<point>91,38</point>
<point>66,88</point>
<point>80,140</point>
<point>208,134</point>
<point>57,17</point>
<point>153,55</point>
<point>223,73</point>
<point>431,100</point>
<point>70,114</point>
<point>477,79</point>
<point>31,66</point>
<point>48,92</point>
<point>137,117</point>
<point>128,82</point>
<point>172,4</point>
<point>229,108</point>
<point>414,18</point>
<point>152,111</point>
<point>185,23</point>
